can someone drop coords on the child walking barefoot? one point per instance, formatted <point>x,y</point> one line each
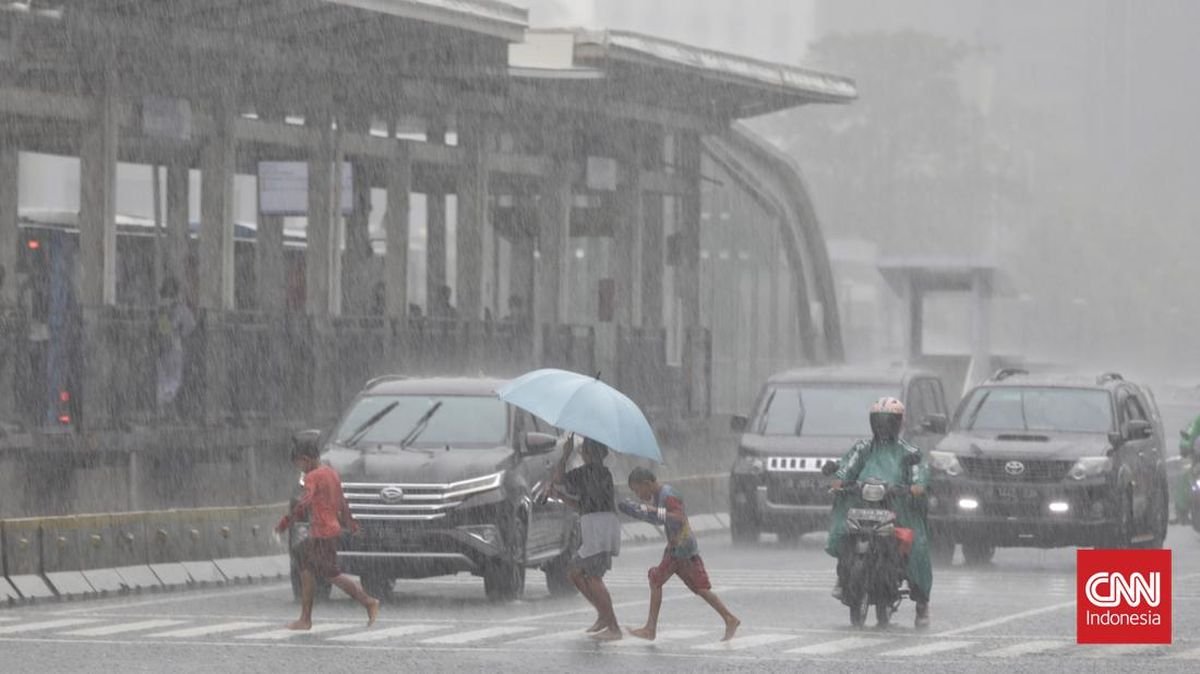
<point>661,505</point>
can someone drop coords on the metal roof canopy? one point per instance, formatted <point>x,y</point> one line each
<point>944,275</point>
<point>700,80</point>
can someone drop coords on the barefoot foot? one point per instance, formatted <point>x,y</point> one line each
<point>372,611</point>
<point>300,625</point>
<point>731,626</point>
<point>643,633</point>
<point>596,626</point>
<point>607,634</point>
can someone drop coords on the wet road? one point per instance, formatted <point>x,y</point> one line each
<point>1017,615</point>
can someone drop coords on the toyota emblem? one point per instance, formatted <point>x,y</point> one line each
<point>1014,468</point>
<point>391,494</point>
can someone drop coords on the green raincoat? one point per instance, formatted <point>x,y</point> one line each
<point>886,461</point>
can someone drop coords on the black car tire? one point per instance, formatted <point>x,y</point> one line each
<point>883,615</point>
<point>377,585</point>
<point>976,553</point>
<point>504,578</point>
<point>1120,536</point>
<point>743,527</point>
<point>789,538</point>
<point>1159,516</point>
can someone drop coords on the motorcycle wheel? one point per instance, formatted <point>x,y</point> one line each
<point>858,610</point>
<point>883,615</point>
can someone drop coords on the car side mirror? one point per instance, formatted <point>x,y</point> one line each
<point>935,423</point>
<point>539,443</point>
<point>830,467</point>
<point>738,423</point>
<point>1137,429</point>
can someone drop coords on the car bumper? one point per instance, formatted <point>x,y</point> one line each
<point>1020,515</point>
<point>756,500</point>
<point>414,551</point>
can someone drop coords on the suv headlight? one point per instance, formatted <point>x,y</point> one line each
<point>1090,466</point>
<point>946,462</point>
<point>753,464</point>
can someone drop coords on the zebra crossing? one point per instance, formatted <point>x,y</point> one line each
<point>766,644</point>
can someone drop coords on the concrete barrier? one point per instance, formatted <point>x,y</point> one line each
<point>23,558</point>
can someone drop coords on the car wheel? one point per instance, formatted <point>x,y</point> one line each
<point>978,554</point>
<point>558,581</point>
<point>377,586</point>
<point>883,615</point>
<point>941,550</point>
<point>1159,517</point>
<point>504,578</point>
<point>789,537</point>
<point>1121,534</point>
<point>743,528</point>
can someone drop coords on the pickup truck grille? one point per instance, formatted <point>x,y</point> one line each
<point>412,502</point>
<point>1031,471</point>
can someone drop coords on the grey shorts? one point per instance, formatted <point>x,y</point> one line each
<point>595,565</point>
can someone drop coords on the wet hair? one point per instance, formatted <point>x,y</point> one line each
<point>641,475</point>
<point>596,447</point>
<point>306,445</point>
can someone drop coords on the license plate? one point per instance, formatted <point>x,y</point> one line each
<point>1015,493</point>
<point>869,514</point>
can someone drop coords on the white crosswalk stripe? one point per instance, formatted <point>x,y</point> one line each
<point>1025,648</point>
<point>839,646</point>
<point>663,636</point>
<point>284,633</point>
<point>930,648</point>
<point>552,637</point>
<point>742,643</point>
<point>22,628</point>
<point>376,634</point>
<point>208,630</point>
<point>477,635</point>
<point>123,628</point>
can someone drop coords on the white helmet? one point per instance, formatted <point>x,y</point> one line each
<point>888,405</point>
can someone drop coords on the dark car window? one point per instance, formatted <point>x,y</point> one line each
<point>937,396</point>
<point>461,420</point>
<point>1011,408</point>
<point>1133,409</point>
<point>823,409</point>
<point>918,406</point>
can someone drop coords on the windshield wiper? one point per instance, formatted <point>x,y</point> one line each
<point>419,427</point>
<point>361,431</point>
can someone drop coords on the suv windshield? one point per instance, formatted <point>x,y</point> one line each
<point>834,409</point>
<point>1064,410</point>
<point>462,420</point>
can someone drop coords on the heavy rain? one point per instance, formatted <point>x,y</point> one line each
<point>598,335</point>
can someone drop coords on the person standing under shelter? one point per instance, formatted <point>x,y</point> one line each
<point>175,324</point>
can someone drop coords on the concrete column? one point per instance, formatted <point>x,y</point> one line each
<point>472,216</point>
<point>272,267</point>
<point>521,265</point>
<point>320,281</point>
<point>626,227</point>
<point>981,327</point>
<point>399,189</point>
<point>652,260</point>
<point>357,293</point>
<point>97,280</point>
<point>773,314</point>
<point>9,224</point>
<point>914,319</point>
<point>688,271</point>
<point>217,162</point>
<point>554,234</point>
<point>178,224</point>
<point>435,230</point>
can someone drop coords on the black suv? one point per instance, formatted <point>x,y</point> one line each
<point>1049,461</point>
<point>805,418</point>
<point>444,477</point>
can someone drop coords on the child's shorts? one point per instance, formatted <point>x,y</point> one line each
<point>691,571</point>
<point>319,555</point>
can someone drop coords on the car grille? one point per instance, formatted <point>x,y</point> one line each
<point>786,490</point>
<point>416,502</point>
<point>797,464</point>
<point>1034,471</point>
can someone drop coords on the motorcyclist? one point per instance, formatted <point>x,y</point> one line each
<point>1188,442</point>
<point>888,458</point>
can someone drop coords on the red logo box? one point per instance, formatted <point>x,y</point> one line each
<point>1123,597</point>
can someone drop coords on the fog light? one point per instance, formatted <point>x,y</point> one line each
<point>968,503</point>
<point>1059,507</point>
<point>486,533</point>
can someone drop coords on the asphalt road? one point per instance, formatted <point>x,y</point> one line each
<point>1016,615</point>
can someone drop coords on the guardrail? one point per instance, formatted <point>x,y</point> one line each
<point>85,555</point>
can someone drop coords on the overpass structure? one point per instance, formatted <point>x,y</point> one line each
<point>517,142</point>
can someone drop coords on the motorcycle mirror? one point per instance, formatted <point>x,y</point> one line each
<point>829,468</point>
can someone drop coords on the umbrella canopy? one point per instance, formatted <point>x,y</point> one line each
<point>587,406</point>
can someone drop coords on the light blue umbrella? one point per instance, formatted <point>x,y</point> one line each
<point>584,405</point>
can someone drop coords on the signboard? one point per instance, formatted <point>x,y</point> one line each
<point>283,188</point>
<point>166,117</point>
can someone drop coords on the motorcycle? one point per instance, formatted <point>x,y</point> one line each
<point>874,551</point>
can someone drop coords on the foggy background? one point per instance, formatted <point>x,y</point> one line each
<point>1054,139</point>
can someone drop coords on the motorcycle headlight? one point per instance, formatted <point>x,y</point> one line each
<point>1090,466</point>
<point>874,492</point>
<point>945,462</point>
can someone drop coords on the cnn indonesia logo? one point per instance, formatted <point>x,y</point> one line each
<point>1124,597</point>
